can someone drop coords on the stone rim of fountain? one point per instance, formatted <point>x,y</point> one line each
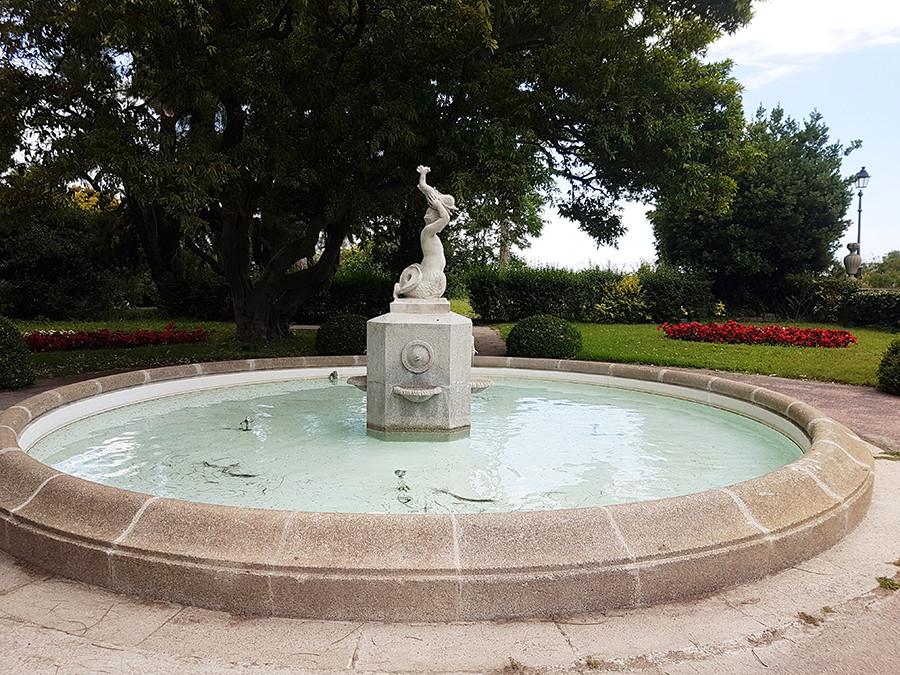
<point>434,567</point>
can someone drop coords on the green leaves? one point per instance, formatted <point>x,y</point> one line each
<point>786,215</point>
<point>272,120</point>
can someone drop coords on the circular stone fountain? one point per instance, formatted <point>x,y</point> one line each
<point>571,487</point>
<point>564,498</point>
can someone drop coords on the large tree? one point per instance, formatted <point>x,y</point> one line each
<point>256,136</point>
<point>786,217</point>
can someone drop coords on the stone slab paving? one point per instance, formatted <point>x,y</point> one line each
<point>872,414</point>
<point>488,341</point>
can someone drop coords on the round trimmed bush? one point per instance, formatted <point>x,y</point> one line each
<point>342,334</point>
<point>544,337</point>
<point>889,370</point>
<point>15,358</point>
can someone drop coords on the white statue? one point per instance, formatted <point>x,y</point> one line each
<point>426,279</point>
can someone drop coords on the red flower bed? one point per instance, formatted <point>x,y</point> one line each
<point>732,332</point>
<point>61,340</point>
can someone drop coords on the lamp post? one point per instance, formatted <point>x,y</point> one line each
<point>853,261</point>
<point>862,180</point>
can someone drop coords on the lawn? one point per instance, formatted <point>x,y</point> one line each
<point>222,346</point>
<point>643,343</point>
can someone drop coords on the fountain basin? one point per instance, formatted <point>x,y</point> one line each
<point>429,567</point>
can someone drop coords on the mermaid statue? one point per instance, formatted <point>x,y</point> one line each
<point>426,279</point>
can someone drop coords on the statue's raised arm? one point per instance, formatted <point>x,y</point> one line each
<point>424,187</point>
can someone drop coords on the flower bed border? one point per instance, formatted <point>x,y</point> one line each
<point>104,338</point>
<point>732,332</point>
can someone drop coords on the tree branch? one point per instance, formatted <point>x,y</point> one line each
<point>282,25</point>
<point>205,256</point>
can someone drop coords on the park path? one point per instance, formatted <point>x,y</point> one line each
<point>488,341</point>
<point>872,414</point>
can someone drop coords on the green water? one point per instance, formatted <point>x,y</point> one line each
<point>534,444</point>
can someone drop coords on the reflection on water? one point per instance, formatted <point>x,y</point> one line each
<point>534,444</point>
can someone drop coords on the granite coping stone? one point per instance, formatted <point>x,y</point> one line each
<point>432,567</point>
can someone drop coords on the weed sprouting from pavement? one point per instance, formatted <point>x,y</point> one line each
<point>888,584</point>
<point>809,619</point>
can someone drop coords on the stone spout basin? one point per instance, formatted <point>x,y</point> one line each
<point>574,492</point>
<point>417,394</point>
<point>479,384</point>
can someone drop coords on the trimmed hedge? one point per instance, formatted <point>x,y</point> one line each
<point>593,295</point>
<point>889,369</point>
<point>874,308</point>
<point>623,301</point>
<point>367,294</point>
<point>544,337</point>
<point>16,370</point>
<point>510,295</point>
<point>342,334</point>
<point>671,295</point>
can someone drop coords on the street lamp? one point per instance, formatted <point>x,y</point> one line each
<point>862,180</point>
<point>853,262</point>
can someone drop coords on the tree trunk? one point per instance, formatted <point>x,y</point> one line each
<point>265,305</point>
<point>261,316</point>
<point>160,238</point>
<point>503,259</point>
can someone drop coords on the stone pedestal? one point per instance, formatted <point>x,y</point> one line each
<point>419,370</point>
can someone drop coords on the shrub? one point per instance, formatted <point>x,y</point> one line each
<point>364,293</point>
<point>544,336</point>
<point>889,369</point>
<point>64,252</point>
<point>595,295</point>
<point>671,295</point>
<point>342,334</point>
<point>874,307</point>
<point>732,332</point>
<point>47,271</point>
<point>513,294</point>
<point>15,360</point>
<point>816,298</point>
<point>622,302</point>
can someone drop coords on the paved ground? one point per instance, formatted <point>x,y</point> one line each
<point>872,414</point>
<point>488,341</point>
<point>51,625</point>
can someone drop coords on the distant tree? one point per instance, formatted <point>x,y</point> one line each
<point>786,216</point>
<point>884,274</point>
<point>257,136</point>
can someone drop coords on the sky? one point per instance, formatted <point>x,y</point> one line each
<point>840,58</point>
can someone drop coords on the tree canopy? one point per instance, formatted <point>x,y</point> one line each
<point>884,273</point>
<point>257,136</point>
<point>786,216</point>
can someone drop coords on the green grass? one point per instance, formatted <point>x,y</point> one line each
<point>222,346</point>
<point>622,343</point>
<point>643,343</point>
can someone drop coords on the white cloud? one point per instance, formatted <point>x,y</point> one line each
<point>786,36</point>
